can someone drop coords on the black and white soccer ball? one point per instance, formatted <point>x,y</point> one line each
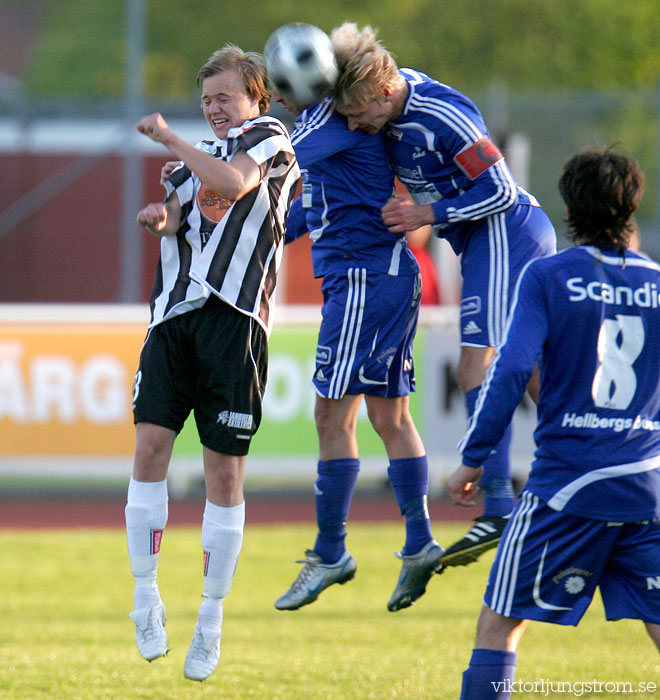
<point>301,63</point>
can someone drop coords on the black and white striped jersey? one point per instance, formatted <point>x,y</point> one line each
<point>229,248</point>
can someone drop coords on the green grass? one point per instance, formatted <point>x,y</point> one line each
<point>65,633</point>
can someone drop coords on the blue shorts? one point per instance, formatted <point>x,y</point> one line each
<point>365,343</point>
<point>548,566</point>
<point>494,254</point>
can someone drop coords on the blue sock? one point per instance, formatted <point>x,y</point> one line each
<point>497,486</point>
<point>334,491</point>
<point>410,481</point>
<point>489,676</point>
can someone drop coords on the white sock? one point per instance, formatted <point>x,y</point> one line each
<point>222,539</point>
<point>146,517</point>
<point>145,596</point>
<point>210,614</point>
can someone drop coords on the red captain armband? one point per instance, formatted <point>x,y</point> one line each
<point>477,158</point>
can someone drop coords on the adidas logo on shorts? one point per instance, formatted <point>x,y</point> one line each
<point>470,328</point>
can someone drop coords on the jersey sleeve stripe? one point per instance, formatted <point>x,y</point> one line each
<point>449,115</point>
<point>504,197</point>
<point>319,117</point>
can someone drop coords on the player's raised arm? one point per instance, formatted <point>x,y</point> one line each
<point>230,179</point>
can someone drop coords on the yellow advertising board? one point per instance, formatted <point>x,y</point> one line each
<point>65,388</point>
<point>66,382</point>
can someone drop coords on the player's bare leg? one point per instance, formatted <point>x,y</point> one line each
<point>534,385</point>
<point>391,419</point>
<point>329,562</point>
<point>146,516</point>
<point>493,661</point>
<point>224,477</point>
<point>338,467</point>
<point>473,365</point>
<point>498,488</point>
<point>654,632</point>
<point>336,422</point>
<point>408,474</point>
<point>222,538</point>
<point>495,631</point>
<point>153,451</point>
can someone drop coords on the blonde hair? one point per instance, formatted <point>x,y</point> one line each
<point>366,67</point>
<point>250,66</point>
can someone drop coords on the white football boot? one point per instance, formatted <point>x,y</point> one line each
<point>150,633</point>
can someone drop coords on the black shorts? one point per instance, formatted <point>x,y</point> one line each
<point>213,361</point>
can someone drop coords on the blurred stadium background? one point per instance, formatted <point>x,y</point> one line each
<point>76,270</point>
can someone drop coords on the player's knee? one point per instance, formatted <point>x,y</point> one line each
<point>534,385</point>
<point>332,424</point>
<point>223,475</point>
<point>654,632</point>
<point>495,631</point>
<point>465,379</point>
<point>472,367</point>
<point>381,420</point>
<point>390,424</point>
<point>152,456</point>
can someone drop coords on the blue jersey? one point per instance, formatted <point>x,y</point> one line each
<point>441,151</point>
<point>346,179</point>
<point>591,319</point>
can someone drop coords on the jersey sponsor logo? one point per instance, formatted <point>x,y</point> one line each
<point>652,583</point>
<point>418,153</point>
<point>409,173</point>
<point>417,292</point>
<point>423,192</point>
<point>306,189</point>
<point>574,579</point>
<point>477,158</point>
<point>592,421</point>
<point>155,540</point>
<point>574,584</point>
<point>470,305</point>
<point>323,354</point>
<point>212,205</point>
<point>232,419</point>
<point>386,355</point>
<point>471,328</point>
<point>646,296</point>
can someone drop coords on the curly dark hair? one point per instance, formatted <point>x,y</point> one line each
<point>601,190</point>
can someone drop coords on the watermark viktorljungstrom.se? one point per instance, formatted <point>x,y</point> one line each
<point>546,687</point>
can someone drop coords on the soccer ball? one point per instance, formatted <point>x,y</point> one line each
<point>301,63</point>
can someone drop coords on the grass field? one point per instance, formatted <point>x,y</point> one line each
<point>65,633</point>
